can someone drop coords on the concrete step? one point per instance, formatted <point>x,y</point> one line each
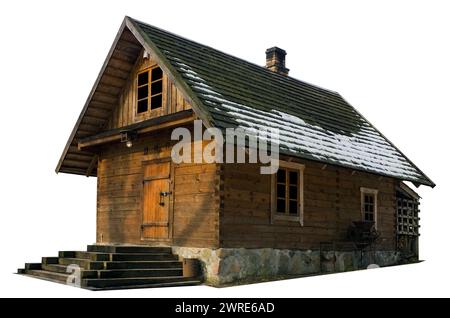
<point>128,249</point>
<point>115,267</point>
<point>190,282</point>
<point>143,264</point>
<point>50,260</point>
<point>83,263</point>
<point>143,257</point>
<point>135,281</point>
<point>29,266</point>
<point>116,283</point>
<point>132,273</point>
<point>52,276</point>
<point>93,256</point>
<point>64,270</point>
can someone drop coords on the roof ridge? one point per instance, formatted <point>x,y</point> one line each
<point>283,77</point>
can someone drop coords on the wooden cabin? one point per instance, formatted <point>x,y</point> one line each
<point>337,202</point>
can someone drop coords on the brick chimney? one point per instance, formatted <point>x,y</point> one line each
<point>276,60</point>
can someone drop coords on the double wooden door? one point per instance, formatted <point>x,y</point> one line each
<point>157,200</point>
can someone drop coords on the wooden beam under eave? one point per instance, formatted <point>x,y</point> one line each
<point>91,166</point>
<point>95,142</point>
<point>115,136</point>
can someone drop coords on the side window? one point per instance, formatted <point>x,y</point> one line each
<point>369,205</point>
<point>287,192</point>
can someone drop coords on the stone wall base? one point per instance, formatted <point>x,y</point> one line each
<point>224,266</point>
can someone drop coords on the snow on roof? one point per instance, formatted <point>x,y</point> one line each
<point>314,123</point>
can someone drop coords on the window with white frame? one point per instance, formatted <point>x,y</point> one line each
<point>287,192</point>
<point>369,199</point>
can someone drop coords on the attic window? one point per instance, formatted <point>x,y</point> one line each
<point>149,90</point>
<point>287,192</point>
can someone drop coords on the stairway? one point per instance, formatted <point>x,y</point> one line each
<point>105,267</point>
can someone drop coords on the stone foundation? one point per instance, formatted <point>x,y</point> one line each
<point>225,266</point>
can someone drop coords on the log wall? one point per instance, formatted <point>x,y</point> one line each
<point>332,200</point>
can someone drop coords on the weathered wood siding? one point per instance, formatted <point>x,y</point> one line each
<point>228,205</point>
<point>196,212</point>
<point>332,199</point>
<point>125,113</point>
<point>120,192</point>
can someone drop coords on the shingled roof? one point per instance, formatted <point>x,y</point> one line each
<point>314,123</point>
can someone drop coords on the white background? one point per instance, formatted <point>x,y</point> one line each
<point>389,59</point>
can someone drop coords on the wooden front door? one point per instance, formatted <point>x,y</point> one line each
<point>157,200</point>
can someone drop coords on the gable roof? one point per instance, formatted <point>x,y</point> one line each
<point>102,99</point>
<point>314,123</point>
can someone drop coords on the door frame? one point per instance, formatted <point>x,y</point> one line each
<point>171,201</point>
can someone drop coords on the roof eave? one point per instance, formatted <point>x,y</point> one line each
<point>416,182</point>
<point>88,100</point>
<point>427,180</point>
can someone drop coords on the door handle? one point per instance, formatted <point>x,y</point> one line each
<point>162,195</point>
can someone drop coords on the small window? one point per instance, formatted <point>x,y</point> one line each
<point>287,192</point>
<point>149,90</point>
<point>369,205</point>
<point>407,216</point>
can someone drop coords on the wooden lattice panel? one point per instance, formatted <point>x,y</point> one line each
<point>407,217</point>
